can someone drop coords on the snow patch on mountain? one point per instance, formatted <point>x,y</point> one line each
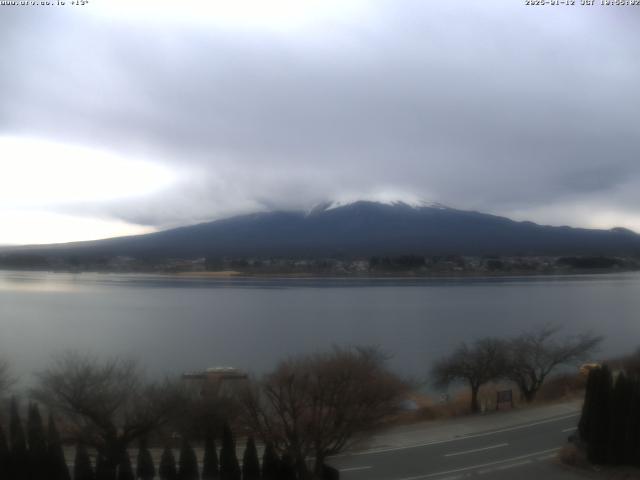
<point>400,202</point>
<point>380,198</point>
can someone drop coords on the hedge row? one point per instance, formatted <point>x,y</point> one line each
<point>38,455</point>
<point>610,421</point>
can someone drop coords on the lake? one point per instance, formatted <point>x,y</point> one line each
<point>173,324</point>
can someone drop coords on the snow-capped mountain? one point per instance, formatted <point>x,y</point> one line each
<point>360,229</point>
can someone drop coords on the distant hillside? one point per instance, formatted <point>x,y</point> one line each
<point>359,229</point>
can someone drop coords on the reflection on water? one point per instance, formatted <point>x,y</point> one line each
<point>178,323</point>
<point>48,281</point>
<point>37,282</point>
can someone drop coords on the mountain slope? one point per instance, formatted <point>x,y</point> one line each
<point>360,229</point>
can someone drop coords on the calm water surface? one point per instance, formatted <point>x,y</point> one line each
<point>175,324</point>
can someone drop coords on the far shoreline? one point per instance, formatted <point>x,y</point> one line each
<point>391,276</point>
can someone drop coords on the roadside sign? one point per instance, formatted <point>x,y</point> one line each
<point>505,397</point>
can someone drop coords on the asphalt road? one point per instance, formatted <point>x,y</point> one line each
<point>522,452</point>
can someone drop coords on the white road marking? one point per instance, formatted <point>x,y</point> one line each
<point>569,429</point>
<point>355,469</point>
<point>475,467</point>
<point>438,442</point>
<point>504,467</point>
<point>546,457</point>
<point>519,427</point>
<point>476,450</point>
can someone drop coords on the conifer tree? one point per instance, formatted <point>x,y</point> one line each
<point>229,466</point>
<point>586,419</point>
<point>210,469</point>
<point>620,412</point>
<point>167,469</point>
<point>270,463</point>
<point>250,462</point>
<point>287,468</point>
<point>632,438</point>
<point>82,468</point>
<point>597,450</point>
<point>145,469</point>
<point>125,470</point>
<point>610,421</point>
<point>57,463</point>
<point>188,463</point>
<point>38,458</point>
<point>19,461</point>
<point>103,472</point>
<point>330,473</point>
<point>4,455</point>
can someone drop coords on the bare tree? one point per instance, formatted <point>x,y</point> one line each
<point>475,364</point>
<point>535,354</point>
<point>317,405</point>
<point>106,402</point>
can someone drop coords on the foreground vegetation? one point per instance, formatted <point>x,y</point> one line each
<point>609,428</point>
<point>310,407</point>
<point>526,360</point>
<point>39,455</point>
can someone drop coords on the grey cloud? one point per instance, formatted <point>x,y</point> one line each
<point>483,106</point>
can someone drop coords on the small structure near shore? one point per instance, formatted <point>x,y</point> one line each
<point>214,379</point>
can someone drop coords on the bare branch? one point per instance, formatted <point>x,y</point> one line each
<point>535,354</point>
<point>318,404</point>
<point>475,364</point>
<point>106,401</point>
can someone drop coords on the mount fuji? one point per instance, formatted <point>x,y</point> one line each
<point>358,229</point>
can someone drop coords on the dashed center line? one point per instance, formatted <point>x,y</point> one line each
<point>382,450</point>
<point>355,469</point>
<point>509,461</point>
<point>476,450</point>
<point>504,467</point>
<point>546,457</point>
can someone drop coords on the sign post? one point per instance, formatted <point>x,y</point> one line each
<point>504,396</point>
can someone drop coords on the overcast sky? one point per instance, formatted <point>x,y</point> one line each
<point>117,119</point>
